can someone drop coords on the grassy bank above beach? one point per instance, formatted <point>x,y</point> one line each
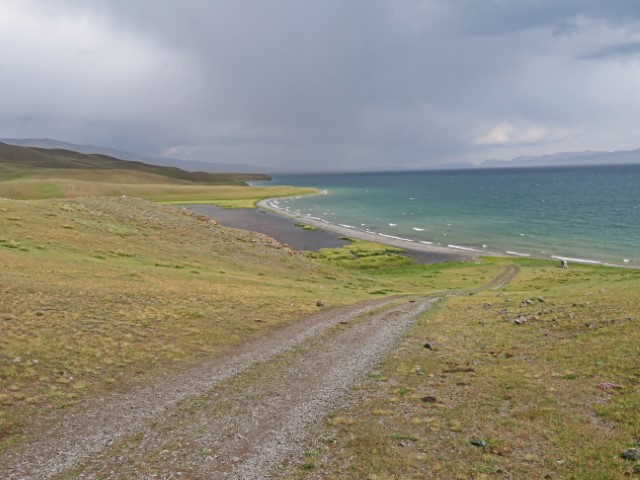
<point>37,173</point>
<point>98,292</point>
<point>228,196</point>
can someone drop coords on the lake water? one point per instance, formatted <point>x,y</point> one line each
<point>585,213</point>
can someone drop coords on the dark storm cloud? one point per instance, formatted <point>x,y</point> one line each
<point>334,83</point>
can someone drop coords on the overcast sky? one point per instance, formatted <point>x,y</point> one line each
<point>331,83</point>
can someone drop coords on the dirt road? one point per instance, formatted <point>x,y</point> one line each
<point>236,416</point>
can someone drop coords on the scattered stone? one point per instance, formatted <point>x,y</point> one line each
<point>631,454</point>
<point>429,399</point>
<point>412,301</point>
<point>478,442</point>
<point>343,323</point>
<point>459,370</point>
<point>520,319</point>
<point>39,313</point>
<point>542,300</point>
<point>320,303</point>
<point>17,360</point>
<point>609,386</point>
<point>428,346</point>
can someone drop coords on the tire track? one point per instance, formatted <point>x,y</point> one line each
<point>164,429</point>
<point>65,439</point>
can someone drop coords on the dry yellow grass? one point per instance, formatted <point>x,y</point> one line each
<point>168,192</point>
<point>555,397</point>
<point>96,292</point>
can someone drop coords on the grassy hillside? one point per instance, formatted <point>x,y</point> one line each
<point>556,396</point>
<point>95,292</point>
<point>223,195</point>
<point>36,173</point>
<point>27,162</point>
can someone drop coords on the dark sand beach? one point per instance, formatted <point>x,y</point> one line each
<point>283,229</point>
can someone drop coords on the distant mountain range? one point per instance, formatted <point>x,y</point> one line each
<point>564,159</point>
<point>619,157</point>
<point>552,160</point>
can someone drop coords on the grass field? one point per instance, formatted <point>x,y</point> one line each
<point>556,396</point>
<point>229,196</point>
<point>96,292</point>
<point>36,173</point>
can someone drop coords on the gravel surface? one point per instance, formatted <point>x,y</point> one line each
<point>237,416</point>
<point>63,440</point>
<point>245,428</point>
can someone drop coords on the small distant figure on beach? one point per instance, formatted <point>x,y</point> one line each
<point>565,264</point>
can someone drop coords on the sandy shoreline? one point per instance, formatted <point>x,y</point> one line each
<point>412,247</point>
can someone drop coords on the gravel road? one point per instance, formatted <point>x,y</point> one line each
<point>236,416</point>
<point>60,442</point>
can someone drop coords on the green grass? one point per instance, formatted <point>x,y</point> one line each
<point>309,228</point>
<point>229,196</point>
<point>98,291</point>
<point>360,254</point>
<point>539,393</point>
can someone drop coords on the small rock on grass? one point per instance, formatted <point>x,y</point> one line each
<point>428,346</point>
<point>478,442</point>
<point>631,454</point>
<point>429,399</point>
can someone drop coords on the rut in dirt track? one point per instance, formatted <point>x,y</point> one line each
<point>243,429</point>
<point>67,438</point>
<point>235,416</point>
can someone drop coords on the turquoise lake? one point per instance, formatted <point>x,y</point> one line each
<point>583,213</point>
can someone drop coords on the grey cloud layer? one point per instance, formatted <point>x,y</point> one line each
<point>352,84</point>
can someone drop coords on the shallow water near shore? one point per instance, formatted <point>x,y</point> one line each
<point>589,214</point>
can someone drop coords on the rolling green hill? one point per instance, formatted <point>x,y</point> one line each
<point>31,162</point>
